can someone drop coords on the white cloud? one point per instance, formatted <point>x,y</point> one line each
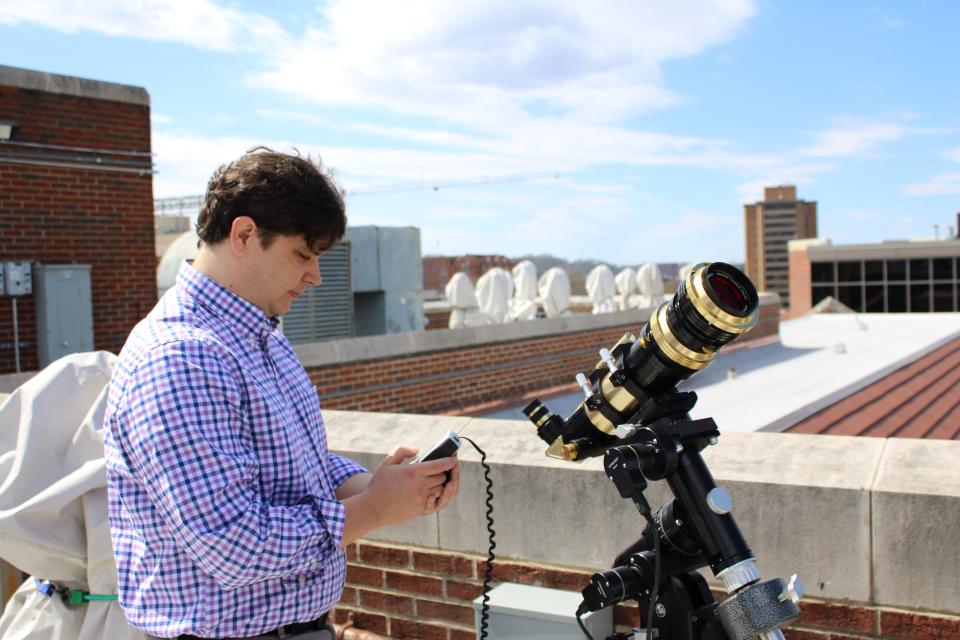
<point>852,139</point>
<point>198,23</point>
<point>953,154</point>
<point>486,64</point>
<point>157,118</point>
<point>940,184</point>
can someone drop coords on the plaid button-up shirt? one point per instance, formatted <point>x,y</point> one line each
<point>221,488</point>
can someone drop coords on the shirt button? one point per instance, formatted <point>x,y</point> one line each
<point>303,579</point>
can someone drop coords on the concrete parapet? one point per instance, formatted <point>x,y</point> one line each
<point>862,520</point>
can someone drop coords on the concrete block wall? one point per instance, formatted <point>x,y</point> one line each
<point>463,370</point>
<point>96,210</point>
<point>869,524</point>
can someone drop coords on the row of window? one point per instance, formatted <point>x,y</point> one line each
<point>892,298</point>
<point>903,270</point>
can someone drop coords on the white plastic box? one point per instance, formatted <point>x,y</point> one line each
<point>522,612</point>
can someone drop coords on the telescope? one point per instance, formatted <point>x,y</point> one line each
<point>634,416</point>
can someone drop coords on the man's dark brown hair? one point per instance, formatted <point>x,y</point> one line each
<point>284,194</point>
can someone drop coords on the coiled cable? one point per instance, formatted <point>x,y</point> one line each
<point>488,573</point>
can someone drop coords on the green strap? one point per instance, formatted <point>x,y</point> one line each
<point>78,596</point>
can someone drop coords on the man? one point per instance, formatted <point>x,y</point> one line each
<point>228,514</point>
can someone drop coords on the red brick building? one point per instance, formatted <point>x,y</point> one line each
<point>768,226</point>
<point>76,186</point>
<point>437,270</point>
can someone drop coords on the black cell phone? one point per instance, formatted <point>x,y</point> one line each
<point>445,448</point>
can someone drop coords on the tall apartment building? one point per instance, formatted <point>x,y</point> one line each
<point>769,225</point>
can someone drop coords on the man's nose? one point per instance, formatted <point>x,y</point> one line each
<point>312,275</point>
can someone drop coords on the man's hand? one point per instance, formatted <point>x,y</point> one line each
<point>399,492</point>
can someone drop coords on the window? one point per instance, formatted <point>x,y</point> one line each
<point>896,270</point>
<point>896,298</point>
<point>873,270</point>
<point>849,272</point>
<point>943,297</point>
<point>851,296</point>
<point>942,269</point>
<point>819,293</point>
<point>919,297</point>
<point>874,302</point>
<point>822,272</point>
<point>920,269</point>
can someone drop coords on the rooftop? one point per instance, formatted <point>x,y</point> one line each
<point>820,360</point>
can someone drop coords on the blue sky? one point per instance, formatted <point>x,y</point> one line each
<point>641,128</point>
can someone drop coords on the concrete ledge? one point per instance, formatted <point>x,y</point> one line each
<point>72,86</point>
<point>864,520</point>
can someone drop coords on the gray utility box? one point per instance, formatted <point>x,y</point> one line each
<point>64,310</point>
<point>387,279</point>
<point>522,612</point>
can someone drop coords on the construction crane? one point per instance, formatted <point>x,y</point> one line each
<point>186,205</point>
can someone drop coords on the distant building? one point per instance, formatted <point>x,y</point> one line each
<point>769,225</point>
<point>437,270</point>
<point>889,277</point>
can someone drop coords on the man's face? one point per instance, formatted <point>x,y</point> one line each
<point>281,272</point>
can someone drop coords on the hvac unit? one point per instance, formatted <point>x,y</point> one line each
<point>324,312</point>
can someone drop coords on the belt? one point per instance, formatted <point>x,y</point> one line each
<point>286,631</point>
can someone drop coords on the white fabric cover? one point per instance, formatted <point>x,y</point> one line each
<point>183,248</point>
<point>649,287</point>
<point>601,287</point>
<point>53,502</point>
<point>626,287</point>
<point>525,280</point>
<point>494,290</point>
<point>463,302</point>
<point>554,289</point>
<point>686,269</point>
<point>523,305</point>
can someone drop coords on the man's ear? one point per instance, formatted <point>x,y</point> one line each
<point>243,231</point>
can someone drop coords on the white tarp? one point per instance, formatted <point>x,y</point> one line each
<point>53,503</point>
<point>464,311</point>
<point>649,287</point>
<point>523,305</point>
<point>494,290</point>
<point>626,287</point>
<point>601,287</point>
<point>554,289</point>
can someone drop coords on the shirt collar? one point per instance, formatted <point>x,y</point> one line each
<point>242,315</point>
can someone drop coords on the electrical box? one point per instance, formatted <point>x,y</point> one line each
<point>64,310</point>
<point>16,278</point>
<point>523,612</point>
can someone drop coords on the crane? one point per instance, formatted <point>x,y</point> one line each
<point>186,205</point>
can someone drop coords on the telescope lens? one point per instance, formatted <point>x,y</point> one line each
<point>731,297</point>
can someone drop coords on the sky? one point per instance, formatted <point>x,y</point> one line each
<point>624,131</point>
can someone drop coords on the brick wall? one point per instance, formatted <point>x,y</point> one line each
<point>96,209</point>
<point>801,295</point>
<point>459,379</point>
<point>409,592</point>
